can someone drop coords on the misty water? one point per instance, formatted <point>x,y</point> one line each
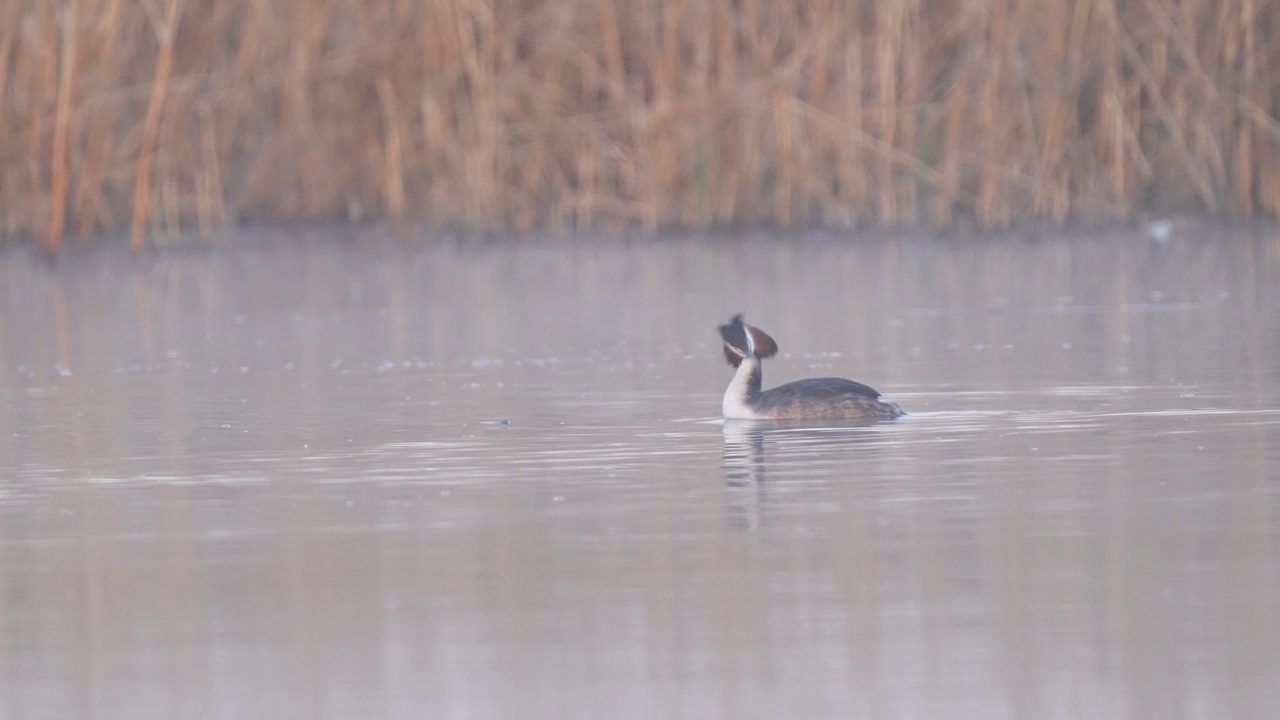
<point>321,475</point>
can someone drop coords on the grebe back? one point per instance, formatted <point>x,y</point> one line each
<point>746,346</point>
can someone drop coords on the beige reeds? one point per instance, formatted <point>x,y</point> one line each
<point>161,115</point>
<point>60,173</point>
<point>166,31</point>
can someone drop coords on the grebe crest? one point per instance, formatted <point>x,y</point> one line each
<point>746,346</point>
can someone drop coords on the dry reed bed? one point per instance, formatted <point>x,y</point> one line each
<point>171,117</point>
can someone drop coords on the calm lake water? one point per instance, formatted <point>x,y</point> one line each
<point>311,475</point>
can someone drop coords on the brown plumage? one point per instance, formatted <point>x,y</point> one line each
<point>741,340</point>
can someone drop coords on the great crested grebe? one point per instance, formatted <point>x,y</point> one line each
<point>746,346</point>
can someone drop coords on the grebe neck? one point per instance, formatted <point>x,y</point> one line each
<point>744,390</point>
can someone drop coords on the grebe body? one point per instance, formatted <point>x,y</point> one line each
<point>745,348</point>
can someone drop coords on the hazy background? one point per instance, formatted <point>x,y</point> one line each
<point>174,118</point>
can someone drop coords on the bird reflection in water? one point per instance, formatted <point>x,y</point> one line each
<point>795,450</point>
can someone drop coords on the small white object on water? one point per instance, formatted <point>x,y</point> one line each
<point>1160,230</point>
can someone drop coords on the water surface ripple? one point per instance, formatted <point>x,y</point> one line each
<point>336,477</point>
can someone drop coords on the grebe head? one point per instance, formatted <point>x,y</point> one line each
<point>743,341</point>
